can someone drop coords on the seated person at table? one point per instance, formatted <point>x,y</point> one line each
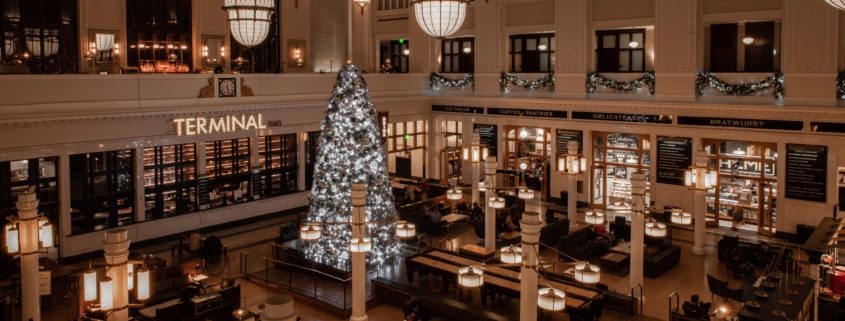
<point>477,214</point>
<point>696,308</point>
<point>601,235</point>
<point>411,310</point>
<point>435,216</point>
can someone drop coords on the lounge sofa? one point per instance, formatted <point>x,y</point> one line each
<point>656,263</point>
<point>579,245</point>
<point>552,231</point>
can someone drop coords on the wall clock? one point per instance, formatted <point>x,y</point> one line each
<point>226,87</point>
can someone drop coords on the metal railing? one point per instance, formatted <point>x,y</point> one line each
<point>677,302</point>
<point>297,279</point>
<point>639,298</point>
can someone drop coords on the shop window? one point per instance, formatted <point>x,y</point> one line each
<point>451,157</point>
<point>745,191</point>
<point>620,50</point>
<point>458,55</point>
<point>17,176</point>
<point>615,157</point>
<point>40,34</point>
<point>263,58</point>
<point>312,144</point>
<point>406,147</point>
<point>277,160</point>
<point>394,55</point>
<point>102,190</point>
<point>169,180</point>
<point>748,47</point>
<point>532,52</point>
<point>159,35</point>
<point>528,151</point>
<point>228,170</point>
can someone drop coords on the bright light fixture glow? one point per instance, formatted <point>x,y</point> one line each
<point>440,18</point>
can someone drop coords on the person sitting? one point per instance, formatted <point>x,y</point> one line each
<point>435,216</point>
<point>412,312</point>
<point>602,236</point>
<point>424,188</point>
<point>409,194</point>
<point>477,214</point>
<point>696,308</point>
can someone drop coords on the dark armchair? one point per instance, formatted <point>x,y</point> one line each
<point>720,288</point>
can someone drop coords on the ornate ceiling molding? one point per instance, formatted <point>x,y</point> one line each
<point>659,27</point>
<point>829,63</point>
<point>581,66</point>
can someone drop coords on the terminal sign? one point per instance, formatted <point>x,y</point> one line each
<point>222,124</point>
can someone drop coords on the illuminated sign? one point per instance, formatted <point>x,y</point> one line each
<point>222,124</point>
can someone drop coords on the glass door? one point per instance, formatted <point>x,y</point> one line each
<point>615,157</point>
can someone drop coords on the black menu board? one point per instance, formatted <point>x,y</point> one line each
<point>202,191</point>
<point>806,172</point>
<point>674,156</point>
<point>489,135</point>
<point>562,139</point>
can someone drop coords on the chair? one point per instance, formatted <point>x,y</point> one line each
<point>720,288</point>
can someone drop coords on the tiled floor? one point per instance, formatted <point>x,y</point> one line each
<point>688,278</point>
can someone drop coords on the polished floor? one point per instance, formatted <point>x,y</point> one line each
<point>253,241</point>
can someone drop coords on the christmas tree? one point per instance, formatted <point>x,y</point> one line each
<point>349,152</point>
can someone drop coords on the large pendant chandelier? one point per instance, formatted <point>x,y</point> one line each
<point>838,4</point>
<point>440,18</point>
<point>249,20</point>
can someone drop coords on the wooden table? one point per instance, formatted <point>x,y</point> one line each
<point>476,251</point>
<point>510,237</point>
<point>423,265</point>
<point>614,261</point>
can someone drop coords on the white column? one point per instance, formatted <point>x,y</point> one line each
<point>700,209</point>
<point>530,225</point>
<point>571,195</point>
<point>489,211</point>
<point>28,236</point>
<point>475,141</point>
<point>300,160</point>
<point>359,295</point>
<point>637,227</point>
<point>116,248</point>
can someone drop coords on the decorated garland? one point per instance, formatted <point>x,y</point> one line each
<point>435,81</point>
<point>595,78</point>
<point>840,86</point>
<point>704,80</point>
<point>546,81</point>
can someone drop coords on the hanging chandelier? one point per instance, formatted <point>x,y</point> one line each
<point>249,20</point>
<point>440,18</point>
<point>838,4</point>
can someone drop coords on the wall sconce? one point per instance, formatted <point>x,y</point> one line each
<point>297,57</point>
<point>383,125</point>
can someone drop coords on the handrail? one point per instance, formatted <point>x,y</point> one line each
<point>243,267</point>
<point>347,265</point>
<point>633,306</point>
<point>677,302</point>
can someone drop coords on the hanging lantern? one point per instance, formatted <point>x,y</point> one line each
<point>586,273</point>
<point>405,229</point>
<point>526,194</point>
<point>90,283</point>
<point>361,244</point>
<point>511,255</point>
<point>106,294</point>
<point>45,233</point>
<point>130,277</point>
<point>440,18</point>
<point>496,202</point>
<point>143,292</point>
<point>309,232</point>
<point>551,299</point>
<point>594,218</point>
<point>454,195</point>
<point>470,277</point>
<point>681,218</point>
<point>654,229</point>
<point>249,20</point>
<point>12,241</point>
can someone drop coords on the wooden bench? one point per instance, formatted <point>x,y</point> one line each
<point>475,251</point>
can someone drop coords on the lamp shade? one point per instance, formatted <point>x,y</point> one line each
<point>470,277</point>
<point>587,273</point>
<point>681,218</point>
<point>747,40</point>
<point>143,292</point>
<point>440,18</point>
<point>404,229</point>
<point>12,240</point>
<point>454,195</point>
<point>633,44</point>
<point>362,3</point>
<point>551,299</point>
<point>130,276</point>
<point>838,4</point>
<point>310,232</point>
<point>526,194</point>
<point>511,255</point>
<point>46,234</point>
<point>595,218</point>
<point>655,229</point>
<point>496,202</point>
<point>89,279</point>
<point>361,244</point>
<point>249,20</point>
<point>106,294</point>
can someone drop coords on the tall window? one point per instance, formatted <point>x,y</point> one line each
<point>620,50</point>
<point>312,142</point>
<point>17,176</point>
<point>40,34</point>
<point>458,55</point>
<point>393,4</point>
<point>102,190</point>
<point>757,40</point>
<point>277,159</point>
<point>266,56</point>
<point>169,180</point>
<point>159,35</point>
<point>227,167</point>
<point>394,56</point>
<point>532,52</point>
<point>406,144</point>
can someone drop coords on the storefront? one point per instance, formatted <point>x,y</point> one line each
<point>745,192</point>
<point>451,155</point>
<point>528,150</point>
<point>406,148</point>
<point>615,157</point>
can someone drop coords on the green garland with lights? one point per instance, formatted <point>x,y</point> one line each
<point>595,78</point>
<point>704,80</point>
<point>547,81</point>
<point>435,81</point>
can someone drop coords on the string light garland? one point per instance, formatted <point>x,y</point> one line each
<point>547,81</point>
<point>840,86</point>
<point>350,151</point>
<point>704,80</point>
<point>435,81</point>
<point>595,78</point>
